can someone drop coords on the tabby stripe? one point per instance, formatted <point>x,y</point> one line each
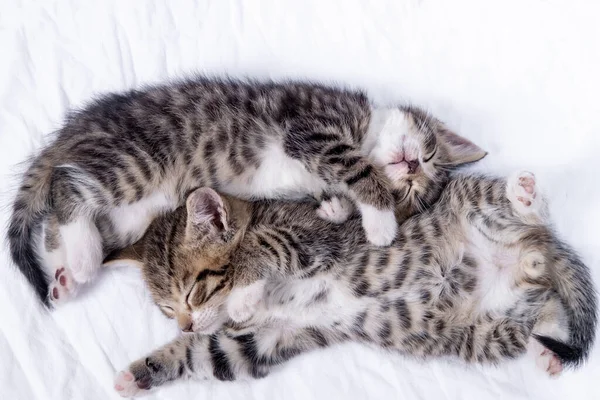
<point>220,286</point>
<point>359,326</point>
<point>337,150</point>
<point>317,336</point>
<point>469,343</point>
<point>347,162</point>
<point>403,313</point>
<point>221,366</point>
<point>361,175</point>
<point>267,246</point>
<point>285,253</point>
<point>211,272</point>
<point>248,348</point>
<point>383,261</point>
<point>402,272</point>
<point>170,246</point>
<point>386,331</point>
<point>320,137</point>
<point>189,361</point>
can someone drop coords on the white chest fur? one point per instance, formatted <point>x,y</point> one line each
<point>277,176</point>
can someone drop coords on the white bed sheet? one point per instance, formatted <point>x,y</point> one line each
<point>519,78</point>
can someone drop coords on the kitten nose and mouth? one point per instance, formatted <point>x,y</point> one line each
<point>187,328</point>
<point>407,162</point>
<point>410,165</point>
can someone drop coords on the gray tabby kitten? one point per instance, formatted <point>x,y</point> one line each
<point>126,157</point>
<point>479,276</point>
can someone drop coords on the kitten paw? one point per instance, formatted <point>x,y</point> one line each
<point>244,301</point>
<point>549,362</point>
<point>523,193</point>
<point>546,360</point>
<point>63,287</point>
<point>380,225</point>
<point>336,210</point>
<point>127,386</point>
<point>82,270</point>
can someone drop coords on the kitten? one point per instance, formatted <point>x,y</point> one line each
<point>126,157</point>
<point>479,276</point>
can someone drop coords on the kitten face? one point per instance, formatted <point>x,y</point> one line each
<point>196,293</point>
<point>184,259</point>
<point>417,151</point>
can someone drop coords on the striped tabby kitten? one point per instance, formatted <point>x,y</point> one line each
<point>127,157</point>
<point>479,276</point>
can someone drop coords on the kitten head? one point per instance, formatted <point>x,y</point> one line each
<point>417,153</point>
<point>184,259</point>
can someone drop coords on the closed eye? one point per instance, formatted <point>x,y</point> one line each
<point>169,311</point>
<point>427,159</point>
<point>187,298</point>
<point>202,276</point>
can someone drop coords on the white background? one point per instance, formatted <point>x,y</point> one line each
<point>520,78</point>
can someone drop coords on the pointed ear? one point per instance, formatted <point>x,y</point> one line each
<point>131,256</point>
<point>460,150</point>
<point>205,211</point>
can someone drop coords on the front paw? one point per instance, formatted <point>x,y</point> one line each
<point>336,209</point>
<point>380,225</point>
<point>128,386</point>
<point>243,302</point>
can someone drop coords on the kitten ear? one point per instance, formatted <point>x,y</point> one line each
<point>460,150</point>
<point>205,210</point>
<point>131,256</point>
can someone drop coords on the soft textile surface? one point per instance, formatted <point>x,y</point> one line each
<point>520,78</point>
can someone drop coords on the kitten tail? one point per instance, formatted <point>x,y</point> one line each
<point>31,205</point>
<point>574,285</point>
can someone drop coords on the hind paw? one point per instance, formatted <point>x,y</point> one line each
<point>546,360</point>
<point>63,287</point>
<point>522,191</point>
<point>550,363</point>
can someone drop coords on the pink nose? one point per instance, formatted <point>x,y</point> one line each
<point>188,328</point>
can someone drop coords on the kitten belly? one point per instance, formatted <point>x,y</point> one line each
<point>496,268</point>
<point>278,176</point>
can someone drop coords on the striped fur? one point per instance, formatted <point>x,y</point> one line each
<point>479,276</point>
<point>141,152</point>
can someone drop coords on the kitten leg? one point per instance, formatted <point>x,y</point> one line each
<point>337,162</point>
<point>523,193</point>
<point>335,209</point>
<point>63,287</point>
<point>379,225</point>
<point>226,356</point>
<point>243,302</point>
<point>83,247</point>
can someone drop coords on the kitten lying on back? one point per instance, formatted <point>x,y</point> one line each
<point>127,157</point>
<point>479,276</point>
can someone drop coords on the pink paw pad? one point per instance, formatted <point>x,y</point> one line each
<point>126,385</point>
<point>527,182</point>
<point>63,285</point>
<point>554,367</point>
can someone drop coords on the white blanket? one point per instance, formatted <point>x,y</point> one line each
<point>520,78</point>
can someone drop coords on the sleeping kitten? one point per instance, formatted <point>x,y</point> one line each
<point>127,157</point>
<point>479,276</point>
